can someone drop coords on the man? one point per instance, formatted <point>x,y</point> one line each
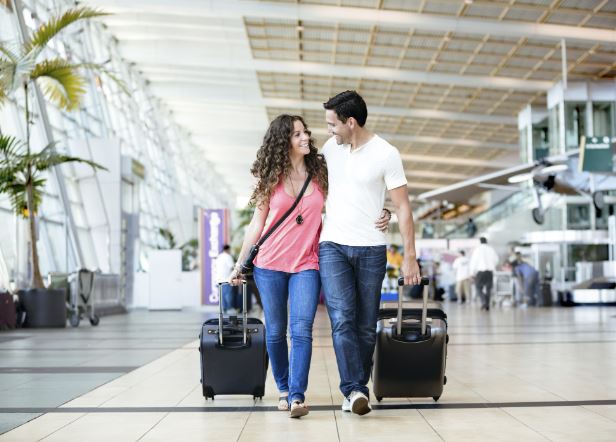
<point>224,267</point>
<point>528,278</point>
<point>471,228</point>
<point>463,277</point>
<point>483,263</point>
<point>352,255</point>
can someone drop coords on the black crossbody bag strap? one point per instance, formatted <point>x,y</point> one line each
<point>248,265</point>
<point>287,213</point>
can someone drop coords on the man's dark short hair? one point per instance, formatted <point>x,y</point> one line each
<point>226,248</point>
<point>348,104</point>
<point>483,240</point>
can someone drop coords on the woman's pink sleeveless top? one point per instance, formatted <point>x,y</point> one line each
<point>293,247</point>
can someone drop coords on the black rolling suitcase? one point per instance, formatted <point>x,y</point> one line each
<point>410,353</point>
<point>234,361</point>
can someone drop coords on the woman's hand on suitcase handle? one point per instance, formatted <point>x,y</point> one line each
<point>236,276</point>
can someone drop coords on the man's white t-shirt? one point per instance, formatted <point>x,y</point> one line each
<point>483,259</point>
<point>224,266</point>
<point>461,266</point>
<point>357,183</point>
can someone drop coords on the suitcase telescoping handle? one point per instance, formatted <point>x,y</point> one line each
<point>424,311</point>
<point>244,313</point>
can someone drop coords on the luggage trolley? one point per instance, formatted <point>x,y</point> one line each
<point>502,287</point>
<point>81,297</point>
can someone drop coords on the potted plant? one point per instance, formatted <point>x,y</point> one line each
<point>190,249</point>
<point>23,67</point>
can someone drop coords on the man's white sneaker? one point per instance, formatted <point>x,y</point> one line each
<point>346,405</point>
<point>359,403</point>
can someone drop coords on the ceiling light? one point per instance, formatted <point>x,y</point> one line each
<point>554,169</point>
<point>468,2</point>
<point>515,179</point>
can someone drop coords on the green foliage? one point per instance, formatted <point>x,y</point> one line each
<point>21,64</point>
<point>190,252</point>
<point>20,170</point>
<point>244,218</point>
<point>168,237</point>
<point>60,80</point>
<point>55,25</point>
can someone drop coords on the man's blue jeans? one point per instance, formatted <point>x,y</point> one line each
<point>301,291</point>
<point>352,278</point>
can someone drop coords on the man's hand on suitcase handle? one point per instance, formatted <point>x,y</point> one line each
<point>424,281</point>
<point>410,271</point>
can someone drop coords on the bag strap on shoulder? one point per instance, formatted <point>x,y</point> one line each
<point>287,213</point>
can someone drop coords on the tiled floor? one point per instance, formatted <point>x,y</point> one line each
<point>520,375</point>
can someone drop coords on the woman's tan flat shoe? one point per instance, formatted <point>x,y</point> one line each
<point>283,403</point>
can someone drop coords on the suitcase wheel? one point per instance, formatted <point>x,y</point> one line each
<point>379,398</point>
<point>208,392</point>
<point>436,398</point>
<point>445,380</point>
<point>447,340</point>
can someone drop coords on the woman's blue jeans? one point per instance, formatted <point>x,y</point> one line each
<point>352,277</point>
<point>301,292</point>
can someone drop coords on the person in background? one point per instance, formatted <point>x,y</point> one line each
<point>224,268</point>
<point>471,228</point>
<point>463,277</point>
<point>394,261</point>
<point>482,265</point>
<point>528,278</point>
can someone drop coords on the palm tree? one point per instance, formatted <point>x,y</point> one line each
<point>21,178</point>
<point>22,67</point>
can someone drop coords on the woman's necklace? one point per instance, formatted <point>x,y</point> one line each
<point>299,219</point>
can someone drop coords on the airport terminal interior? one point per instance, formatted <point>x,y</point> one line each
<point>128,130</point>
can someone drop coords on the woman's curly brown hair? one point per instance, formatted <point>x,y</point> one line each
<point>273,159</point>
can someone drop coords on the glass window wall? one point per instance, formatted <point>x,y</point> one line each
<point>554,124</point>
<point>575,124</point>
<point>138,123</point>
<point>604,119</point>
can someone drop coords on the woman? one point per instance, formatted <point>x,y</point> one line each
<point>286,267</point>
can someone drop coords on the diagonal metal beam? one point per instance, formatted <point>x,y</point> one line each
<point>398,111</point>
<point>437,140</point>
<point>436,174</point>
<point>218,58</point>
<point>415,185</point>
<point>359,16</point>
<point>433,159</point>
<point>194,103</point>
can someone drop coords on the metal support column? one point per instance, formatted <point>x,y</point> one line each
<point>59,175</point>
